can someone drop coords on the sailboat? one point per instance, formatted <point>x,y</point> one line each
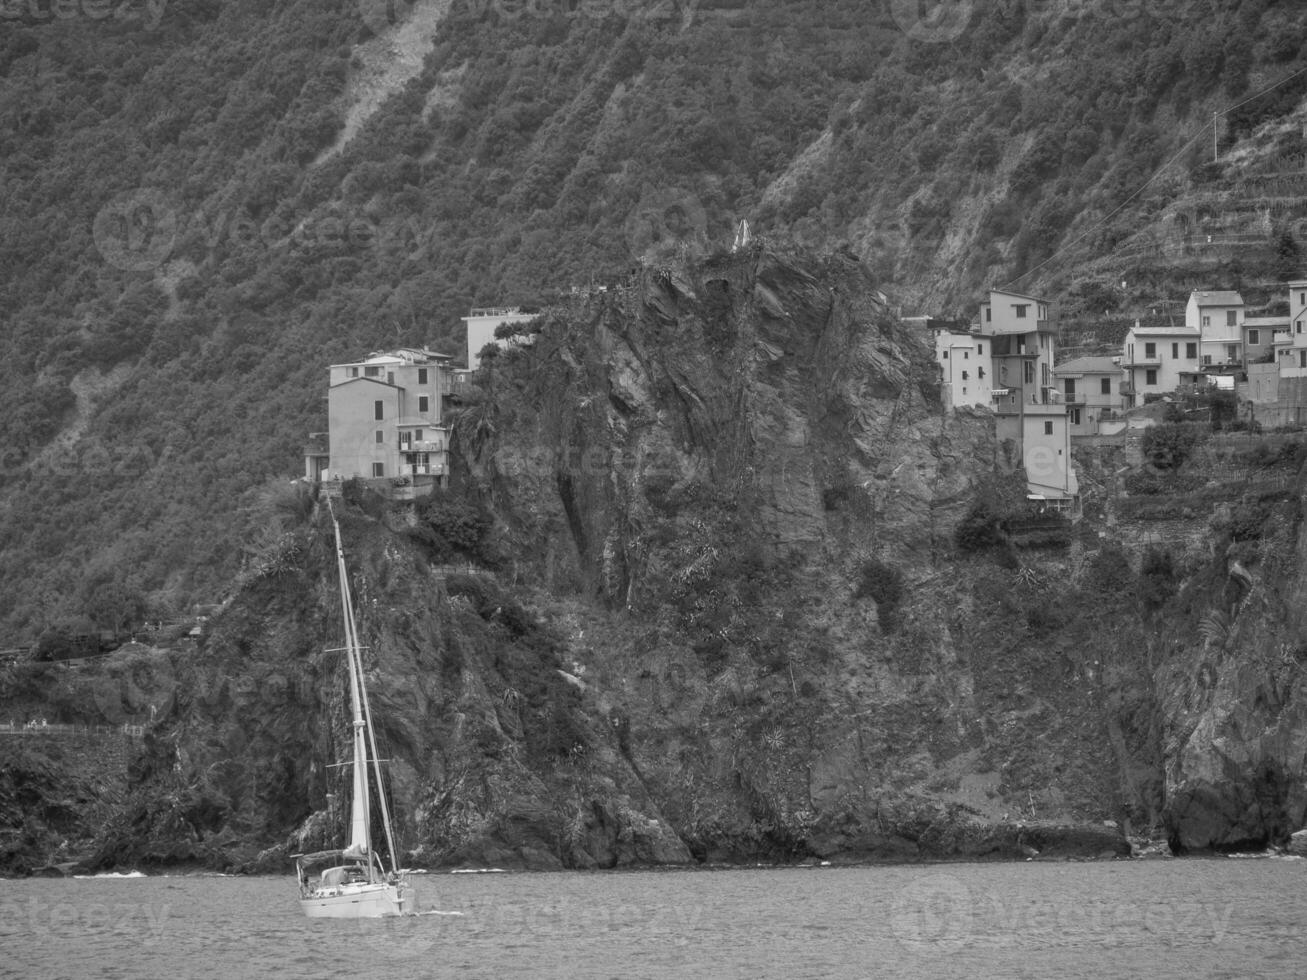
<point>353,883</point>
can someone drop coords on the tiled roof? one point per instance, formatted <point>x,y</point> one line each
<point>1165,331</point>
<point>1218,297</point>
<point>1088,365</point>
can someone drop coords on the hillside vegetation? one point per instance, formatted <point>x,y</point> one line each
<point>190,238</point>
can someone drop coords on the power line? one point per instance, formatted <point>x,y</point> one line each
<point>1160,170</point>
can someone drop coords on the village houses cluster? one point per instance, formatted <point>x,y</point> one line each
<point>387,414</point>
<point>1005,361</point>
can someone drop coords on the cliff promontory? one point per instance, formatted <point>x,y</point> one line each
<point>718,579</point>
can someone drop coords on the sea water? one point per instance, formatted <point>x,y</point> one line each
<point>1211,918</point>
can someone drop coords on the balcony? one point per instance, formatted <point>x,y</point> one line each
<point>429,446</point>
<point>1142,361</point>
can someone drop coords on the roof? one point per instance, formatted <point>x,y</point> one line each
<point>1008,292</point>
<point>375,381</point>
<point>1266,321</point>
<point>1088,365</point>
<point>1165,331</point>
<point>400,355</point>
<point>1217,297</point>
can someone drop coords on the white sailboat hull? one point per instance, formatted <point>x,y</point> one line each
<point>374,900</point>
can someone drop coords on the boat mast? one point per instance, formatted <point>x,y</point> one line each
<point>360,832</point>
<point>360,822</point>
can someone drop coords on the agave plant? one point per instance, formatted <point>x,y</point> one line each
<point>1215,628</point>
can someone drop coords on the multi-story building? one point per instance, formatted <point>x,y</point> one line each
<point>1292,357</point>
<point>1218,317</point>
<point>385,417</point>
<point>1157,360</point>
<point>964,364</point>
<point>1091,391</point>
<point>1030,409</point>
<point>1260,335</point>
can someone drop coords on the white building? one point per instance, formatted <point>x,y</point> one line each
<point>1218,317</point>
<point>1292,357</point>
<point>1022,345</point>
<point>1091,391</point>
<point>964,364</point>
<point>1157,360</point>
<point>385,417</point>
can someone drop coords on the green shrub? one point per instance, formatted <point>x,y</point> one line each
<point>1168,445</point>
<point>982,528</point>
<point>450,526</point>
<point>884,584</point>
<point>1157,578</point>
<point>1109,573</point>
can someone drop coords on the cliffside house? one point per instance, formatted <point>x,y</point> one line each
<point>481,326</point>
<point>1157,360</point>
<point>1091,391</point>
<point>1292,357</point>
<point>1030,410</point>
<point>1260,334</point>
<point>386,420</point>
<point>964,364</point>
<point>1218,317</point>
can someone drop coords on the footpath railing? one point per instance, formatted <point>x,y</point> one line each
<point>38,727</point>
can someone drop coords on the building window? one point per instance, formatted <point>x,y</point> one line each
<point>1043,312</point>
<point>381,436</point>
<point>1075,416</point>
<point>424,404</point>
<point>1302,299</point>
<point>1191,351</point>
<point>1254,337</point>
<point>980,372</point>
<point>966,356</point>
<point>1230,318</point>
<point>1028,375</point>
<point>964,376</point>
<point>988,311</point>
<point>980,350</point>
<point>390,377</point>
<point>1150,376</point>
<point>1175,350</point>
<point>1070,387</point>
<point>1048,428</point>
<point>1207,321</point>
<point>378,410</point>
<point>1107,386</point>
<point>417,435</point>
<point>422,376</point>
<point>1020,310</point>
<point>353,372</point>
<point>372,372</point>
<point>1150,351</point>
<point>944,355</point>
<point>378,469</point>
<point>1302,358</point>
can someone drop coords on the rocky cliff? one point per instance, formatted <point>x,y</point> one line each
<point>720,580</point>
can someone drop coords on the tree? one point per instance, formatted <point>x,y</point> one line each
<point>1288,257</point>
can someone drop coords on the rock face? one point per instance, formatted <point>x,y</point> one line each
<point>747,463</point>
<point>718,610</point>
<point>1234,690</point>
